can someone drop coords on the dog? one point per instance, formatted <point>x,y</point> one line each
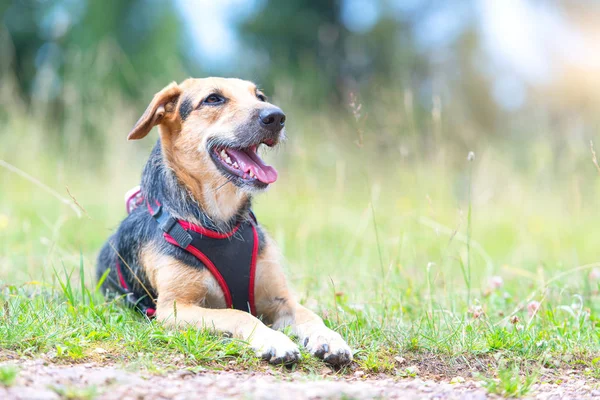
<point>192,252</point>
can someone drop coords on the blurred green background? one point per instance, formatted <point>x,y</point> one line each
<point>385,99</point>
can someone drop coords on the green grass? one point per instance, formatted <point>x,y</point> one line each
<point>8,375</point>
<point>75,393</point>
<point>510,383</point>
<point>397,253</point>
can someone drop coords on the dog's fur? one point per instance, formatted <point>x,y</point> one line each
<point>183,176</point>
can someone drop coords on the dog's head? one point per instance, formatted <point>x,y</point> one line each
<point>213,128</point>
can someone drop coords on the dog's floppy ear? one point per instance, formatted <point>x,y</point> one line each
<point>162,104</point>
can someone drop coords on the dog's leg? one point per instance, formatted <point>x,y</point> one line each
<point>271,345</point>
<point>277,306</point>
<point>183,289</point>
<point>272,297</point>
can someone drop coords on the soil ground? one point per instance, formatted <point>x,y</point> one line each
<point>38,379</point>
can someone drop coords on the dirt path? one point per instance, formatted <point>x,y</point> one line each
<point>86,381</point>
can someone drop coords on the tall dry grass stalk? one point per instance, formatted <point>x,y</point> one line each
<point>594,158</point>
<point>72,204</point>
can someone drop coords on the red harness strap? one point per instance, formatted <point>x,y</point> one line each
<point>223,247</point>
<point>201,236</point>
<point>121,278</point>
<point>215,271</point>
<point>149,311</point>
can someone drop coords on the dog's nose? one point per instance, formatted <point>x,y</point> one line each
<point>272,118</point>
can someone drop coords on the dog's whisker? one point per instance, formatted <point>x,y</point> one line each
<point>227,180</point>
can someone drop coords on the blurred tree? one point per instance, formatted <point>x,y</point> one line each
<point>112,43</point>
<point>309,41</point>
<point>301,39</point>
<point>87,52</point>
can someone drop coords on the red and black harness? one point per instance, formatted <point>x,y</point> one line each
<point>230,257</point>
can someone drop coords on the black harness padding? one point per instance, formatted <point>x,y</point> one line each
<point>230,257</point>
<point>233,259</point>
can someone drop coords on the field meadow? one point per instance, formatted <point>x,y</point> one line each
<point>433,248</point>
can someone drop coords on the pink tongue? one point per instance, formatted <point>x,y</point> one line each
<point>250,161</point>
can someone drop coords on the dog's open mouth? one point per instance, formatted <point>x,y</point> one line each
<point>245,163</point>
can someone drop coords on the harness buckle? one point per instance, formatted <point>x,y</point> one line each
<point>156,213</point>
<point>181,236</point>
<point>170,226</point>
<point>167,224</point>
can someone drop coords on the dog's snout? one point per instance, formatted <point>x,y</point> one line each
<point>272,118</point>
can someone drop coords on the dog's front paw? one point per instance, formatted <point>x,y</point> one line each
<point>275,347</point>
<point>329,346</point>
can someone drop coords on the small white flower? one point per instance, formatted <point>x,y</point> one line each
<point>496,282</point>
<point>476,312</point>
<point>533,307</point>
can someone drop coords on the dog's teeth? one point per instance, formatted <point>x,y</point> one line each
<point>251,174</point>
<point>235,164</point>
<point>224,154</point>
<point>228,160</point>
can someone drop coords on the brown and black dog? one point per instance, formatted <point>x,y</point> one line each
<point>204,171</point>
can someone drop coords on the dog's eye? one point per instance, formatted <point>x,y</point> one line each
<point>261,97</point>
<point>214,99</point>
